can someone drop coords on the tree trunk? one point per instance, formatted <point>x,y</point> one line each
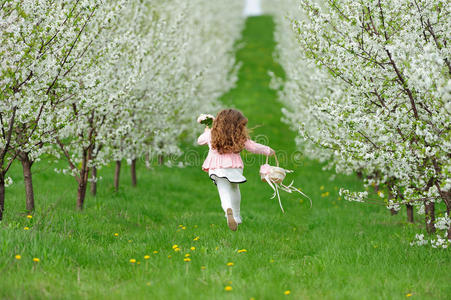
<point>117,174</point>
<point>160,159</point>
<point>28,179</point>
<point>2,195</point>
<point>409,213</point>
<point>94,181</point>
<point>84,176</point>
<point>81,194</point>
<point>133,171</point>
<point>147,161</point>
<point>430,216</point>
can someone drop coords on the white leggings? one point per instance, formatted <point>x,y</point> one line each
<point>230,197</point>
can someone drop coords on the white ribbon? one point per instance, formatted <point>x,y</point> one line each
<point>274,186</point>
<point>287,188</point>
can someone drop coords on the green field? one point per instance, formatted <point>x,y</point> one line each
<point>335,250</point>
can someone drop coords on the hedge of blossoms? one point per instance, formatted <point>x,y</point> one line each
<point>368,88</point>
<point>99,81</point>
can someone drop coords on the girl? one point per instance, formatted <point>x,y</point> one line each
<point>224,165</point>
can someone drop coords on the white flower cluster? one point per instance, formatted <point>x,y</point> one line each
<point>369,90</point>
<point>204,117</point>
<point>420,241</point>
<point>95,81</point>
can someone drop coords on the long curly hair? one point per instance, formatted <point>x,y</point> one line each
<point>229,132</point>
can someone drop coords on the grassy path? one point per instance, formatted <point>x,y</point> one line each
<point>335,250</point>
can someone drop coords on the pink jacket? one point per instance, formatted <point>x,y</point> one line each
<point>215,160</point>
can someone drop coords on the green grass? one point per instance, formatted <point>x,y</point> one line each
<point>336,250</point>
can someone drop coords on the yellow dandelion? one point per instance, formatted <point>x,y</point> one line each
<point>177,249</point>
<point>287,292</point>
<point>18,256</point>
<point>216,248</point>
<point>409,295</point>
<point>175,246</point>
<point>203,267</point>
<point>242,250</point>
<point>180,226</point>
<point>183,227</point>
<point>148,284</point>
<point>380,194</point>
<point>155,252</point>
<point>192,248</point>
<point>187,259</point>
<point>271,260</point>
<point>26,228</point>
<point>187,255</point>
<point>116,234</point>
<point>169,256</point>
<point>321,187</point>
<point>146,256</point>
<point>36,259</point>
<point>230,264</point>
<point>30,217</point>
<point>132,260</point>
<point>138,262</point>
<point>301,201</point>
<point>195,226</point>
<point>130,241</point>
<point>228,288</point>
<point>196,238</point>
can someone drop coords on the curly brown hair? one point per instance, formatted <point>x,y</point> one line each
<point>229,132</point>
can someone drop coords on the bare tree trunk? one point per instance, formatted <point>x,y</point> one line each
<point>409,213</point>
<point>160,159</point>
<point>2,195</point>
<point>83,180</point>
<point>147,161</point>
<point>430,217</point>
<point>446,196</point>
<point>393,211</point>
<point>94,181</point>
<point>133,171</point>
<point>359,174</point>
<point>117,174</point>
<point>81,194</point>
<point>28,180</point>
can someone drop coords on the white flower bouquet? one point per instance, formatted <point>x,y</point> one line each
<point>206,119</point>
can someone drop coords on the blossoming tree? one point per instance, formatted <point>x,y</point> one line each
<point>43,44</point>
<point>369,90</point>
<point>98,81</point>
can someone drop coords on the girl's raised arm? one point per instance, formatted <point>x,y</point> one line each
<point>204,138</point>
<point>257,148</point>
